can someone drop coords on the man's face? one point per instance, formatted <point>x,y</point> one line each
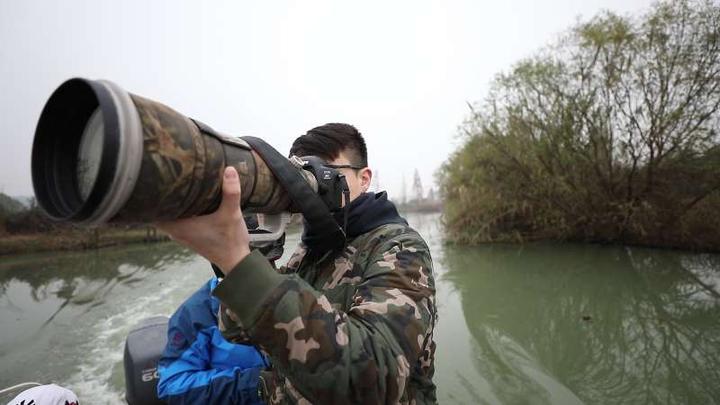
<point>358,180</point>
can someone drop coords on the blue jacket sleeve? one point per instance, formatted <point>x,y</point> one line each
<point>199,365</point>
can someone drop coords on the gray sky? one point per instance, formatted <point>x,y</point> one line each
<point>400,71</point>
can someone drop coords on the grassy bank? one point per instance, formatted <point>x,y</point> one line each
<point>609,135</point>
<point>76,240</point>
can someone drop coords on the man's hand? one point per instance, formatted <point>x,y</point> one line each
<point>221,237</point>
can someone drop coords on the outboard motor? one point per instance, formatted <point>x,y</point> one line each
<point>143,348</point>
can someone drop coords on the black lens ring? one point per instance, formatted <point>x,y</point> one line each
<point>63,116</point>
<point>57,139</point>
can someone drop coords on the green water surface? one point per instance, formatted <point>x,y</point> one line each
<point>533,324</point>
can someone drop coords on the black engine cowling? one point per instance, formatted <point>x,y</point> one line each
<point>143,348</point>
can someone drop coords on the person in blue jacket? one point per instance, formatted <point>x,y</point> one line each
<point>198,366</point>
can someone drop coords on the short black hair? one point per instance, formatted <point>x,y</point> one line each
<point>327,141</point>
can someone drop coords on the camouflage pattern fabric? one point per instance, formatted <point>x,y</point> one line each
<point>350,327</point>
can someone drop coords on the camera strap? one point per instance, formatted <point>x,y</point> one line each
<point>303,197</point>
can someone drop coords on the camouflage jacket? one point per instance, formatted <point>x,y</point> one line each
<point>350,327</point>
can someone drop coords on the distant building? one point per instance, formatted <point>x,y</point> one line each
<point>417,187</point>
<point>375,183</point>
<point>419,202</point>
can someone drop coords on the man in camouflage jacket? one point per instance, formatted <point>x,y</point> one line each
<point>349,326</point>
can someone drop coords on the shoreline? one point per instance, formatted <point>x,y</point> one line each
<point>76,240</point>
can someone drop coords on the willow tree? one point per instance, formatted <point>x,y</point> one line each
<point>609,135</point>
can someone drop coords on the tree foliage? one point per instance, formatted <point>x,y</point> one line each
<point>609,135</point>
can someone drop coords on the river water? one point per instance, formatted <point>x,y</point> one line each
<point>533,324</point>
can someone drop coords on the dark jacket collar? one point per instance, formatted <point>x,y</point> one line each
<point>366,212</point>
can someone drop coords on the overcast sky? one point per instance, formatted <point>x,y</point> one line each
<point>400,71</point>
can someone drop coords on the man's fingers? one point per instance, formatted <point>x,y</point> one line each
<point>231,191</point>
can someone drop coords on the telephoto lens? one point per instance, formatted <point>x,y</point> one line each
<point>101,154</point>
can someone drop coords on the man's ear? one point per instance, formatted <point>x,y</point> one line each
<point>365,179</point>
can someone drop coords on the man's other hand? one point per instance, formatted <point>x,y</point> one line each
<point>221,237</point>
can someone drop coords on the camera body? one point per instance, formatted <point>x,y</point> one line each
<point>331,183</point>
